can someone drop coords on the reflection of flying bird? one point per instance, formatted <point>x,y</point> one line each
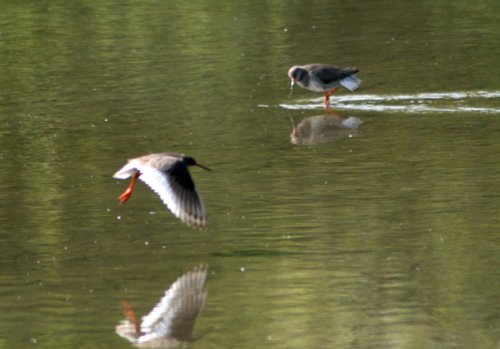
<point>168,175</point>
<point>323,129</point>
<point>324,78</point>
<point>170,324</point>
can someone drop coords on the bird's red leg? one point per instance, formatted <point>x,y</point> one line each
<point>130,314</point>
<point>328,94</point>
<point>327,101</point>
<point>332,91</point>
<point>128,192</point>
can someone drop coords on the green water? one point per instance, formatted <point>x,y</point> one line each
<point>383,236</point>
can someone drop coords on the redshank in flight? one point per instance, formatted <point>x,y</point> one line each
<point>323,78</point>
<point>167,174</point>
<point>171,322</point>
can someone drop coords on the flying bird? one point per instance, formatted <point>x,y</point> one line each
<point>171,322</point>
<point>167,174</point>
<point>323,78</point>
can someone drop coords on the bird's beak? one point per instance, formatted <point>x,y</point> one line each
<point>292,84</point>
<point>203,167</point>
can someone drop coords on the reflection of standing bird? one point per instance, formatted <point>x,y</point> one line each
<point>170,324</point>
<point>323,128</point>
<point>324,78</point>
<point>168,175</point>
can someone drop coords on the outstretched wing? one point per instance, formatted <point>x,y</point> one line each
<point>177,191</point>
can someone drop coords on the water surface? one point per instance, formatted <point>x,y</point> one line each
<point>381,235</point>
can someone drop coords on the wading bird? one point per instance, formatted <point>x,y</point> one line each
<point>323,78</point>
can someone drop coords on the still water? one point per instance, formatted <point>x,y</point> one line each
<point>373,227</point>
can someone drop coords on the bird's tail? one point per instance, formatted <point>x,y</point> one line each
<point>351,82</point>
<point>125,172</point>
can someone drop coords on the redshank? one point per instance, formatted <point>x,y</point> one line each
<point>168,175</point>
<point>323,78</point>
<point>171,322</point>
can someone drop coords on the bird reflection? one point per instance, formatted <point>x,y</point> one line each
<point>170,324</point>
<point>323,128</point>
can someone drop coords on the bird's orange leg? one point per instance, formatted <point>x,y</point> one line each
<point>130,314</point>
<point>128,192</point>
<point>327,96</point>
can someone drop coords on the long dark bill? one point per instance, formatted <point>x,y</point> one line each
<point>203,167</point>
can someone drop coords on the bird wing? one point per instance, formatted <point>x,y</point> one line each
<point>329,74</point>
<point>175,315</point>
<point>177,191</point>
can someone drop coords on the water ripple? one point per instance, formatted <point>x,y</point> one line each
<point>427,102</point>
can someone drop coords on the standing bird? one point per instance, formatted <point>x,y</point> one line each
<point>171,322</point>
<point>168,175</point>
<point>323,78</point>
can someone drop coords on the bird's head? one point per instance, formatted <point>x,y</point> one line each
<point>296,73</point>
<point>189,161</point>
